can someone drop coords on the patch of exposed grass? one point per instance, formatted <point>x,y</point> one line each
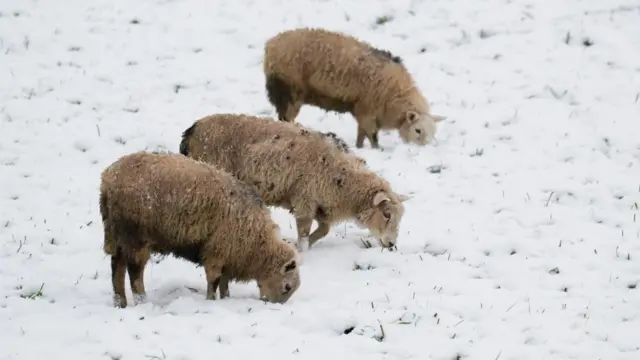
<point>35,294</point>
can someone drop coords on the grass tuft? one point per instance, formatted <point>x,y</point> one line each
<point>357,267</point>
<point>34,295</point>
<point>381,20</point>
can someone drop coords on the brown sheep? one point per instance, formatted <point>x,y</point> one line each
<point>171,204</point>
<point>261,128</point>
<point>304,174</point>
<point>337,72</point>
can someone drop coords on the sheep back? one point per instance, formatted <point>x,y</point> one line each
<point>251,129</point>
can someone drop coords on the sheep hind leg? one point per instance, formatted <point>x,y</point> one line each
<point>118,273</point>
<point>224,285</point>
<point>373,139</point>
<point>213,272</point>
<point>135,268</point>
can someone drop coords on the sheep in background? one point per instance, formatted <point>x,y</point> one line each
<point>337,72</point>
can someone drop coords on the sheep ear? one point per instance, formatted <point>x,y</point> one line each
<point>411,117</point>
<point>438,118</point>
<point>403,198</point>
<point>380,198</point>
<point>289,266</point>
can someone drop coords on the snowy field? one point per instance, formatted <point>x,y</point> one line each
<point>522,240</point>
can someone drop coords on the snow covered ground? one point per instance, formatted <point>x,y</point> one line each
<point>522,240</point>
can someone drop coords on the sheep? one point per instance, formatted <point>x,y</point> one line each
<point>166,203</point>
<point>337,72</point>
<point>260,128</point>
<point>303,174</point>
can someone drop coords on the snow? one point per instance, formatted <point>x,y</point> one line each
<point>522,240</point>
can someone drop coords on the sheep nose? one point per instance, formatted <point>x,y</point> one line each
<point>287,287</point>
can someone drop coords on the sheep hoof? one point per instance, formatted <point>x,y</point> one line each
<point>119,302</point>
<point>139,299</point>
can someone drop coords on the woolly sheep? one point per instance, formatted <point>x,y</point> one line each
<point>260,128</point>
<point>337,72</point>
<point>303,174</point>
<point>169,204</point>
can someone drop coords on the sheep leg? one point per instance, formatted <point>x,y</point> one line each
<point>293,109</point>
<point>224,286</point>
<point>319,233</point>
<point>360,138</point>
<point>370,132</point>
<point>304,228</point>
<point>135,268</point>
<point>283,97</point>
<point>118,273</point>
<point>213,272</point>
<point>371,135</point>
<point>373,139</point>
<point>367,126</point>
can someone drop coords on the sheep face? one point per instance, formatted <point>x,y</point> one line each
<point>383,217</point>
<point>418,128</point>
<point>281,286</point>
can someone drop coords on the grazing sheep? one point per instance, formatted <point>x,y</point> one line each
<point>256,128</point>
<point>337,72</point>
<point>170,204</point>
<point>301,173</point>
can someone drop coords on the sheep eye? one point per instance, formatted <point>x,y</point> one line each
<point>386,215</point>
<point>418,131</point>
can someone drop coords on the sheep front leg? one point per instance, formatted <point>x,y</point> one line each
<point>292,111</point>
<point>304,212</point>
<point>213,271</point>
<point>371,135</point>
<point>360,137</point>
<point>367,127</point>
<point>319,233</point>
<point>304,228</point>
